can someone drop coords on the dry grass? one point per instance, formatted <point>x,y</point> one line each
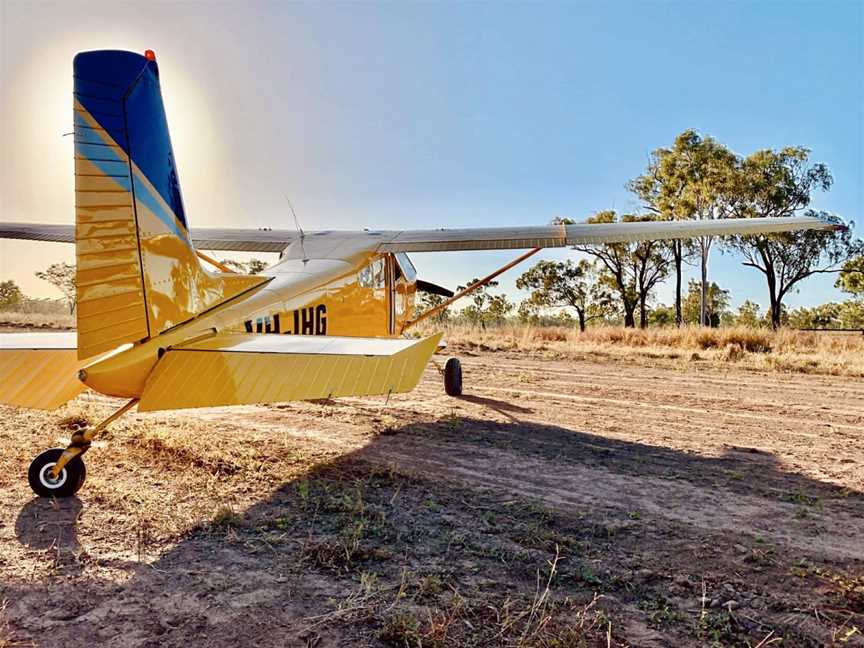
<point>840,354</point>
<point>7,637</point>
<point>20,320</point>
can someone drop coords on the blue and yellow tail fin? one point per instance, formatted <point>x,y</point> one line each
<point>137,271</point>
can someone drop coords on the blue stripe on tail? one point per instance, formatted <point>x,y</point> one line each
<point>121,92</point>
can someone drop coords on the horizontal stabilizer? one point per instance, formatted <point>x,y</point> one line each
<point>39,370</point>
<point>249,369</point>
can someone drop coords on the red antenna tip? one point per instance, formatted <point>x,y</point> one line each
<point>150,55</point>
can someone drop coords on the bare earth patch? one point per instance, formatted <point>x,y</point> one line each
<point>577,502</point>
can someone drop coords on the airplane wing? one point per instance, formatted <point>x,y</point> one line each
<point>442,240</point>
<point>240,369</point>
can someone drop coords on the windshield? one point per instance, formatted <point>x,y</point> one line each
<point>407,268</point>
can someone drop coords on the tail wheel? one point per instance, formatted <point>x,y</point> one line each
<point>453,377</point>
<point>67,483</point>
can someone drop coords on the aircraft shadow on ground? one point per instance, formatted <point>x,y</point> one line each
<point>186,570</point>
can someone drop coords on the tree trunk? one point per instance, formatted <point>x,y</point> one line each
<point>629,320</point>
<point>776,315</point>
<point>581,314</point>
<point>775,305</point>
<point>678,252</point>
<point>703,292</point>
<point>643,313</point>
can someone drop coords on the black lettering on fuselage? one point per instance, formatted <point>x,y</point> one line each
<point>320,319</point>
<point>308,317</point>
<point>311,320</point>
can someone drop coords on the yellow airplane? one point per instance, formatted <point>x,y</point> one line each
<point>157,327</point>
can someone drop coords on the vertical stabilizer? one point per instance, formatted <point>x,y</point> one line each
<point>138,273</point>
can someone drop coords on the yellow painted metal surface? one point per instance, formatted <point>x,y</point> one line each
<point>137,272</point>
<point>317,299</point>
<point>356,304</point>
<point>177,286</point>
<point>199,376</point>
<point>39,378</point>
<point>111,307</point>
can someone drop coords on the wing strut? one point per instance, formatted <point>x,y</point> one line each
<point>219,266</point>
<point>462,293</point>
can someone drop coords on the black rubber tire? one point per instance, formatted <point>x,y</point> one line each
<point>71,477</point>
<point>453,377</point>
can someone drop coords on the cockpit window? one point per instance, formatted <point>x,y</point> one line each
<point>404,264</point>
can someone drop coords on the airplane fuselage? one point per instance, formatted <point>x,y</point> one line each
<point>369,295</point>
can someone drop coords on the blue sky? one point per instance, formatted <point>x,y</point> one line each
<point>438,114</point>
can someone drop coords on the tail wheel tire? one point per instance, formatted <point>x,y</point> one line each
<point>68,482</point>
<point>453,377</point>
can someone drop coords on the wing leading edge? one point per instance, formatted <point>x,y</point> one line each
<point>443,240</point>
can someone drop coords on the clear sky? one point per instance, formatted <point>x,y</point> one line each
<point>392,115</point>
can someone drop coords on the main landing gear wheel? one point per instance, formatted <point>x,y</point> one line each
<point>67,483</point>
<point>453,377</point>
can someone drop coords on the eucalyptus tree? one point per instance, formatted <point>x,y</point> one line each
<point>62,277</point>
<point>694,179</point>
<point>631,269</point>
<point>782,183</point>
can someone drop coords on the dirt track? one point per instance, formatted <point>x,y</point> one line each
<point>705,506</point>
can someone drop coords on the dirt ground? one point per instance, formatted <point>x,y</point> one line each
<point>584,502</point>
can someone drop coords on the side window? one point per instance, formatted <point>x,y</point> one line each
<point>380,275</point>
<point>373,276</point>
<point>365,277</point>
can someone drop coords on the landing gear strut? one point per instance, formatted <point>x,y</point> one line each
<point>453,377</point>
<point>61,472</point>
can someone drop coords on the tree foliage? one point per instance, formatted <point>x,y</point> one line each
<point>10,295</point>
<point>62,277</point>
<point>565,284</point>
<point>848,314</point>
<point>476,312</point>
<point>497,310</point>
<point>663,315</point>
<point>252,266</point>
<point>748,315</point>
<point>851,279</point>
<point>428,301</point>
<point>716,303</point>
